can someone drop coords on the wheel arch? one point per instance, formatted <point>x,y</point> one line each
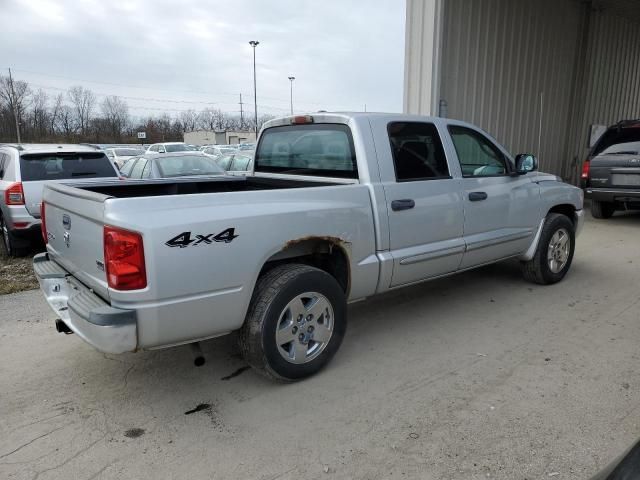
<point>326,253</point>
<point>565,209</point>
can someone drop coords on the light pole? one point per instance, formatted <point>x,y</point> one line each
<point>254,44</point>
<point>291,79</point>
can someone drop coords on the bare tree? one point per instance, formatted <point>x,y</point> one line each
<point>213,119</point>
<point>83,102</point>
<point>115,112</point>
<point>66,122</point>
<point>188,120</point>
<point>39,114</point>
<point>54,114</point>
<point>14,94</point>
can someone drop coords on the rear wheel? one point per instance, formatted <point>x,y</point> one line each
<point>9,242</point>
<point>295,324</point>
<point>554,254</point>
<point>602,209</point>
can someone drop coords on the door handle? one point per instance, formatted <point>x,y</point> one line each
<point>477,196</point>
<point>405,204</point>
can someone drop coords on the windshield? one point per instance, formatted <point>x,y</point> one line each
<point>61,166</point>
<point>128,152</point>
<point>185,165</point>
<point>317,149</point>
<point>615,136</point>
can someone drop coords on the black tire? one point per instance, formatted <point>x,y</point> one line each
<point>11,246</point>
<point>272,295</point>
<point>537,270</point>
<point>602,209</point>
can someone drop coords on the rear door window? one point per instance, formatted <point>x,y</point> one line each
<point>417,151</point>
<point>61,166</point>
<point>313,149</point>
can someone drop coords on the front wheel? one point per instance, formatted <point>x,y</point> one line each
<point>554,254</point>
<point>295,324</point>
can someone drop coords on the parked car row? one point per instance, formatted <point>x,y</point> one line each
<point>25,168</point>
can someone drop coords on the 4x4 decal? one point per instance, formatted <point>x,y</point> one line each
<point>184,239</point>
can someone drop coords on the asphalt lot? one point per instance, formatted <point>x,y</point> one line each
<point>473,377</point>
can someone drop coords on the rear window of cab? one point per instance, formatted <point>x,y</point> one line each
<point>324,150</point>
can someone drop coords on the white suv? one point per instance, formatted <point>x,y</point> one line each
<point>23,171</point>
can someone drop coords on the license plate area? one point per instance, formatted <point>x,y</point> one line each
<point>626,179</point>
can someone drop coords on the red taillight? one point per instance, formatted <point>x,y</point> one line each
<point>301,120</point>
<point>43,224</point>
<point>14,195</point>
<point>124,259</point>
<point>585,170</point>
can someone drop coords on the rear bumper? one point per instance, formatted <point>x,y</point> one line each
<point>618,195</point>
<point>18,215</point>
<point>108,329</point>
<point>30,232</point>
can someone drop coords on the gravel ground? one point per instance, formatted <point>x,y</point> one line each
<point>476,376</point>
<point>16,274</point>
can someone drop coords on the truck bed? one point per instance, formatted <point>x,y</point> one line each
<point>184,186</point>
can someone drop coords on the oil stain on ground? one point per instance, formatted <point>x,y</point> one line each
<point>134,432</point>
<point>199,408</point>
<point>211,412</point>
<point>236,373</point>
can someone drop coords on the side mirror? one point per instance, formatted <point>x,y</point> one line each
<point>525,163</point>
<point>161,150</point>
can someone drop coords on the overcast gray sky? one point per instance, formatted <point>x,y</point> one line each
<point>195,53</point>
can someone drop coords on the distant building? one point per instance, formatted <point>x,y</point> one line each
<point>209,137</point>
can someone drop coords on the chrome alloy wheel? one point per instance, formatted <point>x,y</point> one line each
<point>558,251</point>
<point>304,327</point>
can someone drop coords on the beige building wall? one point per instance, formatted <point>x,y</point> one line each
<point>535,75</point>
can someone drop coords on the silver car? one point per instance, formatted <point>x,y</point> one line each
<point>170,165</point>
<point>120,155</point>
<point>23,171</point>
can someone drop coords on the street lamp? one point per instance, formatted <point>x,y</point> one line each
<point>254,44</point>
<point>291,79</point>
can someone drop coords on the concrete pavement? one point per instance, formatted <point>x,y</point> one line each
<point>476,376</point>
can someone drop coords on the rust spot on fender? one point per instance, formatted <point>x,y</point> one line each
<point>311,238</point>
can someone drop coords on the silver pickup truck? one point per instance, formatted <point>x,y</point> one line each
<point>339,207</point>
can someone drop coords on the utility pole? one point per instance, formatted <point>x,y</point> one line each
<point>254,44</point>
<point>291,79</point>
<point>241,114</point>
<point>13,106</point>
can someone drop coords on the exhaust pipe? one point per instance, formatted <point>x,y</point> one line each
<point>62,327</point>
<point>198,355</point>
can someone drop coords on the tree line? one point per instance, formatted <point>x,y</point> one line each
<point>77,116</point>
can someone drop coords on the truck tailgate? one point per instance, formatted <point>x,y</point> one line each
<point>74,222</point>
<point>617,171</point>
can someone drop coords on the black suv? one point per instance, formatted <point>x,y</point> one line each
<point>611,175</point>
